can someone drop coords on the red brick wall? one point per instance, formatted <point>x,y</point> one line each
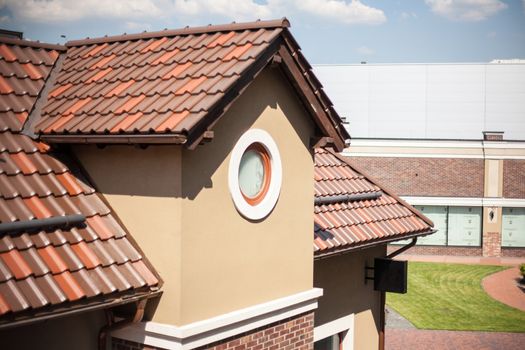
<point>514,178</point>
<point>290,334</point>
<point>513,252</point>
<point>491,244</point>
<point>439,250</point>
<point>426,176</point>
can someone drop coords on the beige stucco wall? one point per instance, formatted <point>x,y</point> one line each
<point>143,186</point>
<point>493,178</point>
<point>79,332</point>
<point>177,205</point>
<point>345,293</point>
<point>230,262</point>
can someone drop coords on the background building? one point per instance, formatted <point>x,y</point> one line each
<point>421,129</point>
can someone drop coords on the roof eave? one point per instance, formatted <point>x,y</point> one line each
<point>348,249</point>
<point>121,139</point>
<point>80,307</point>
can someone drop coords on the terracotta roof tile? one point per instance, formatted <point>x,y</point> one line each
<point>16,264</point>
<point>52,269</point>
<point>345,225</point>
<point>69,286</point>
<point>86,255</point>
<point>151,78</point>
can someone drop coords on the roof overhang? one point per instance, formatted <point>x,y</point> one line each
<point>92,304</point>
<point>365,245</point>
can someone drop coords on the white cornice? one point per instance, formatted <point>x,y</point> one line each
<point>466,201</point>
<point>220,327</point>
<point>435,149</point>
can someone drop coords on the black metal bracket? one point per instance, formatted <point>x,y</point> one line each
<point>368,268</point>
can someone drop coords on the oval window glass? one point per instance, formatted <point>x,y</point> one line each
<point>252,173</point>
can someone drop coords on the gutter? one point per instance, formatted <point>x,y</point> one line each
<point>126,139</point>
<point>42,224</point>
<point>403,248</point>
<point>112,325</point>
<point>372,244</point>
<point>68,311</point>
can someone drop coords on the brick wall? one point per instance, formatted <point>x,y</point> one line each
<point>491,244</point>
<point>513,252</point>
<point>439,250</point>
<point>514,178</point>
<point>426,176</point>
<point>295,333</point>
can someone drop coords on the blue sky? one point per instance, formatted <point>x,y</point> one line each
<point>329,31</point>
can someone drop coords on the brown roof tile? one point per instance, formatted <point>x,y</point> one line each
<point>42,271</point>
<point>167,82</point>
<point>347,225</point>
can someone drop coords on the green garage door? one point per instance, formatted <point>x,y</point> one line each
<point>464,226</point>
<point>513,230</point>
<point>439,216</point>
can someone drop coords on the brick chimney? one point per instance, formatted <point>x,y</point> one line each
<point>493,135</point>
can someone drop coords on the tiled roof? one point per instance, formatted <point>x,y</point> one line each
<point>45,270</point>
<point>346,225</point>
<point>170,82</point>
<point>23,71</point>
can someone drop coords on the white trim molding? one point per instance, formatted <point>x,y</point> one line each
<point>418,148</point>
<point>263,208</point>
<point>207,331</point>
<point>343,324</point>
<point>466,201</point>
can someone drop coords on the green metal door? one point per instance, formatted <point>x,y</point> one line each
<point>464,226</point>
<point>438,215</point>
<point>513,227</point>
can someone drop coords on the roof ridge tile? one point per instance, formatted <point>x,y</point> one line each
<point>282,23</point>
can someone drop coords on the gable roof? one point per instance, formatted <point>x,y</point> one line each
<point>352,211</point>
<point>172,86</point>
<point>47,271</point>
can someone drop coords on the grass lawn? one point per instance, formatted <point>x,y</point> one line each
<point>450,297</point>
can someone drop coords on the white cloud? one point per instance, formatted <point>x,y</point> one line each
<point>466,10</point>
<point>66,10</point>
<point>142,11</point>
<point>354,12</point>
<point>234,9</point>
<point>365,51</point>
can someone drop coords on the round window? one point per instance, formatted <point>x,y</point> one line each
<point>255,174</point>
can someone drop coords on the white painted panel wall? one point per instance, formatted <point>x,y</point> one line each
<point>513,227</point>
<point>455,101</point>
<point>395,95</point>
<point>445,101</point>
<point>506,100</point>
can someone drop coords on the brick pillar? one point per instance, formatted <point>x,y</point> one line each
<point>491,244</point>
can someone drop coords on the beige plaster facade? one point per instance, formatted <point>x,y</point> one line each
<point>176,204</point>
<point>345,292</point>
